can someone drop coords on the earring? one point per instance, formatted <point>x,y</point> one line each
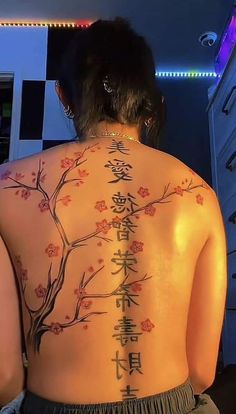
<point>148,122</point>
<point>68,112</point>
<point>106,85</point>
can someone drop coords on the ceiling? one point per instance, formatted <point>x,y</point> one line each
<point>172,27</point>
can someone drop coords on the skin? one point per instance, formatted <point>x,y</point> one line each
<point>165,200</point>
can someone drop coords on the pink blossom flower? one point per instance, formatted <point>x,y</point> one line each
<point>34,175</point>
<point>103,226</point>
<point>91,269</point>
<point>40,291</point>
<point>18,261</point>
<point>52,250</point>
<point>5,175</point>
<point>199,199</point>
<point>147,325</point>
<point>150,210</point>
<point>65,200</point>
<point>44,205</point>
<point>42,178</point>
<point>25,193</point>
<point>116,222</point>
<point>144,192</point>
<point>179,190</point>
<point>80,293</point>
<point>83,173</point>
<point>56,328</point>
<point>78,154</point>
<point>136,247</point>
<point>19,176</point>
<point>67,162</point>
<point>136,287</point>
<point>79,182</point>
<point>100,261</point>
<point>101,206</point>
<point>24,274</point>
<point>86,304</point>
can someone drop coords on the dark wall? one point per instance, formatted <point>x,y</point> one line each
<point>186,134</point>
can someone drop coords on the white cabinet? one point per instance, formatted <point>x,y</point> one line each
<point>222,126</point>
<point>226,169</point>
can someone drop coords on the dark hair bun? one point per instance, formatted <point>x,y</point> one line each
<point>108,74</point>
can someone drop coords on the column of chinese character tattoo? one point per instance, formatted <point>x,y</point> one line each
<point>124,260</point>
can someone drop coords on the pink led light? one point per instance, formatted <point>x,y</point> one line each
<point>46,24</point>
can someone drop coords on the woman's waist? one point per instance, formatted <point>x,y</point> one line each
<point>109,380</point>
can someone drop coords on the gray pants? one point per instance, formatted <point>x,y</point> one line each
<point>178,400</point>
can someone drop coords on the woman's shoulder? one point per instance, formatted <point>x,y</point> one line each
<point>180,169</point>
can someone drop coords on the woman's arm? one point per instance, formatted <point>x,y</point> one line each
<point>207,304</point>
<point>11,364</point>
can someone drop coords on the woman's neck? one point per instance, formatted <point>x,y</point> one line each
<point>103,129</point>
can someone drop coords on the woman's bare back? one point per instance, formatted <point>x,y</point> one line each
<point>104,240</point>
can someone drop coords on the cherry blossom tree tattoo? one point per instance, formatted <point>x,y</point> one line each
<point>48,294</point>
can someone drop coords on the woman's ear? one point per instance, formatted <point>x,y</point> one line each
<point>60,94</point>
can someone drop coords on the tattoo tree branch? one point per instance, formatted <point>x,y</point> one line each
<point>38,316</point>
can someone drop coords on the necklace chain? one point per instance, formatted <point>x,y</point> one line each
<point>115,134</point>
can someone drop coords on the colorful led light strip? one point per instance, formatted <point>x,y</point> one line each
<point>186,75</point>
<point>85,25</point>
<point>45,24</point>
